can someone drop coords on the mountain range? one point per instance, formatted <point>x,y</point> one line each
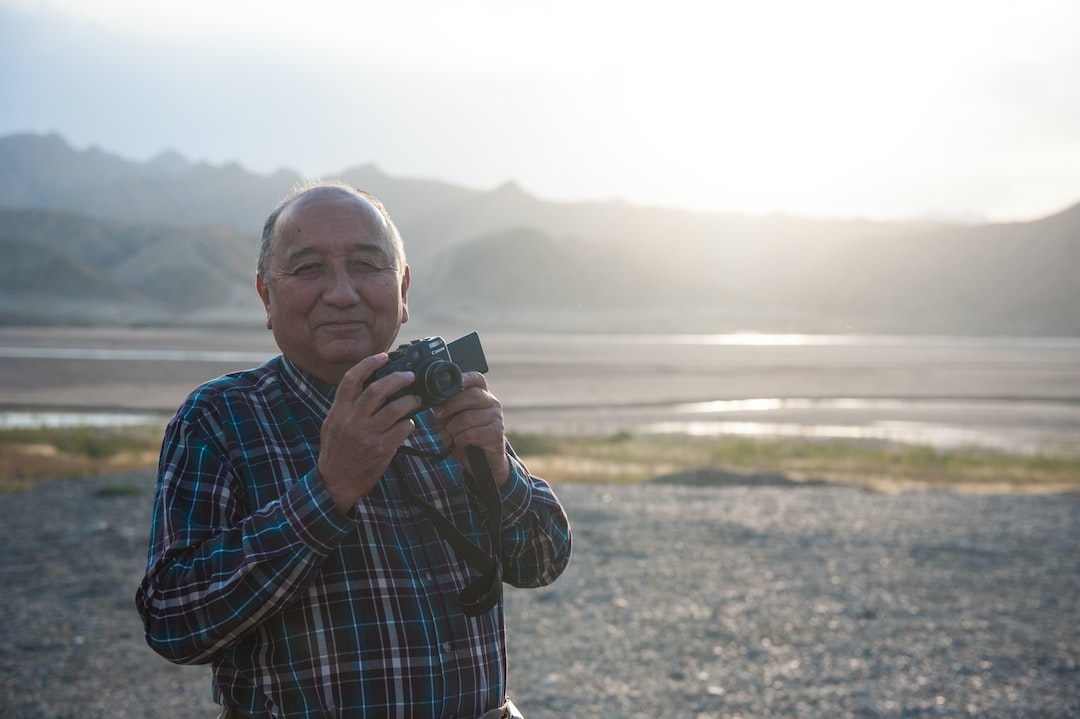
<point>89,237</point>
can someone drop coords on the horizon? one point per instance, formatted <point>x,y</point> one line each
<point>93,147</point>
<point>937,111</point>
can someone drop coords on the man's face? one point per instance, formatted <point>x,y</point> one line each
<point>334,290</point>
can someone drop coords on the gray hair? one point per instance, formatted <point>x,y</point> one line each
<point>322,187</point>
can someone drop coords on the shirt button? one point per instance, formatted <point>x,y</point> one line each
<point>429,577</point>
<point>446,647</point>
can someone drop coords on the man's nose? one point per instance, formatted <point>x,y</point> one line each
<point>341,290</point>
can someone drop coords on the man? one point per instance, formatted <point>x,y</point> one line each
<point>287,548</point>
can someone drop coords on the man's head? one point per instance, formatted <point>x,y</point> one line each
<point>333,278</point>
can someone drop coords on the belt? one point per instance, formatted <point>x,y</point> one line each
<point>506,711</point>
<point>503,712</point>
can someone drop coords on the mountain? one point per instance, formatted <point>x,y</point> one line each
<point>90,237</point>
<point>62,268</point>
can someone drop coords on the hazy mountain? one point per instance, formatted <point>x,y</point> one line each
<point>61,267</point>
<point>90,237</point>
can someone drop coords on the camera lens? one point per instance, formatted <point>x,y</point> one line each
<point>441,380</point>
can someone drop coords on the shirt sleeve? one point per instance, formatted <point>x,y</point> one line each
<point>536,537</point>
<point>217,567</point>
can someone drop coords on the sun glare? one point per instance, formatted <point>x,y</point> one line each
<point>796,114</point>
<point>771,106</point>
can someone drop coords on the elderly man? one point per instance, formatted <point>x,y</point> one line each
<point>291,548</point>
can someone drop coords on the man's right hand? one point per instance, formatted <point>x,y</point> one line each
<point>362,432</point>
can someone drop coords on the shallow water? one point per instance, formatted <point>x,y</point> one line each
<point>1017,394</point>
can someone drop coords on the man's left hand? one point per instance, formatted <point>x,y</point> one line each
<point>474,418</point>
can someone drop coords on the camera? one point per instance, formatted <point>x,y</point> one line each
<point>438,367</point>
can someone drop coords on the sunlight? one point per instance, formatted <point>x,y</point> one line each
<point>66,420</point>
<point>918,433</point>
<point>951,109</point>
<point>739,109</point>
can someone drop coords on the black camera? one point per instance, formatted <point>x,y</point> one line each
<point>438,367</point>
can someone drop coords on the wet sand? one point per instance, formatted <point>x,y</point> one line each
<point>600,384</point>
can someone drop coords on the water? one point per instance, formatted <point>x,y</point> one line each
<point>764,339</point>
<point>57,420</point>
<point>1021,427</point>
<point>1025,426</point>
<point>1019,394</point>
<point>1015,394</point>
<point>133,354</point>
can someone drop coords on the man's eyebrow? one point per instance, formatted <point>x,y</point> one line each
<point>300,253</point>
<point>366,248</point>
<point>372,248</point>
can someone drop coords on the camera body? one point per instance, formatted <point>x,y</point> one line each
<point>438,376</point>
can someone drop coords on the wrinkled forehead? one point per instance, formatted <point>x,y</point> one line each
<point>333,213</point>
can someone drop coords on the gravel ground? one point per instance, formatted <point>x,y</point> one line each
<point>731,601</point>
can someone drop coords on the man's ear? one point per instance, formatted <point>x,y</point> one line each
<point>264,294</point>
<point>405,279</point>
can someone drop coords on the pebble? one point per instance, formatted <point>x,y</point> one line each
<point>703,602</point>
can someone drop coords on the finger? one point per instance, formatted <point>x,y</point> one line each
<point>378,393</point>
<point>476,427</point>
<point>473,379</point>
<point>402,408</point>
<point>488,437</point>
<point>395,435</point>
<point>352,384</point>
<point>474,397</point>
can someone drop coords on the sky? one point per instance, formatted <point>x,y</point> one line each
<point>944,109</point>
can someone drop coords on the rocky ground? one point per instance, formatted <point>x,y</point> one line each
<point>698,602</point>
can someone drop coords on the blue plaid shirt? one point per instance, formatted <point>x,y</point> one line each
<point>305,611</point>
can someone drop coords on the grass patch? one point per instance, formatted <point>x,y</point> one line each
<point>29,456</point>
<point>625,459</point>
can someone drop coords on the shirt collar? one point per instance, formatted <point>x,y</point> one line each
<point>313,393</point>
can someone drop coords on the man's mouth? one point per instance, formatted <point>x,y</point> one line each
<point>341,325</point>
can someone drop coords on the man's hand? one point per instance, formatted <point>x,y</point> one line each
<point>474,418</point>
<point>362,432</point>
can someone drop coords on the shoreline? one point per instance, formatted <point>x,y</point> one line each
<point>991,394</point>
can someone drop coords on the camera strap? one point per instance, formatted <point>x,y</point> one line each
<point>483,592</point>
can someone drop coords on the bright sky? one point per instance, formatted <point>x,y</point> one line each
<point>962,109</point>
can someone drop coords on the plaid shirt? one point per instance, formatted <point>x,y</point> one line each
<point>305,611</point>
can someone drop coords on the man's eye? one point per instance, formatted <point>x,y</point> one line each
<point>365,267</point>
<point>311,269</point>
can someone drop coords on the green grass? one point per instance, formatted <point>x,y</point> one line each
<point>622,458</point>
<point>28,456</point>
<point>31,455</point>
<point>90,442</point>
